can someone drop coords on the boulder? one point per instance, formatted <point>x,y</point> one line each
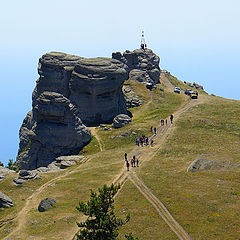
<point>75,158</point>
<point>66,164</point>
<point>5,201</point>
<point>18,181</point>
<point>25,175</point>
<point>121,120</point>
<point>46,204</point>
<point>200,164</point>
<point>143,64</point>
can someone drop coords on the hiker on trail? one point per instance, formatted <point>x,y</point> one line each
<point>137,162</point>
<point>151,128</point>
<point>151,142</point>
<point>171,118</point>
<point>155,131</point>
<point>146,141</point>
<point>127,164</point>
<point>141,141</point>
<point>125,156</point>
<point>166,122</point>
<point>132,162</point>
<point>162,122</point>
<point>143,137</point>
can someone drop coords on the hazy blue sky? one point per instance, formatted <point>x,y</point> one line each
<point>196,41</point>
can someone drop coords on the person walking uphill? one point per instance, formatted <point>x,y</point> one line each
<point>155,131</point>
<point>125,156</point>
<point>127,165</point>
<point>171,118</point>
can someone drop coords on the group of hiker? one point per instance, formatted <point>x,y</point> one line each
<point>166,120</point>
<point>134,161</point>
<point>144,140</point>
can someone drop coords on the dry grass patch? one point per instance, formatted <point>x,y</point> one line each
<point>205,203</point>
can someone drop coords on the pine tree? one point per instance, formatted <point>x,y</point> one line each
<point>101,223</point>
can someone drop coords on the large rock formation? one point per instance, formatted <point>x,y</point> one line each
<point>70,91</point>
<point>143,64</point>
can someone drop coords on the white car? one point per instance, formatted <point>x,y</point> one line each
<point>177,90</point>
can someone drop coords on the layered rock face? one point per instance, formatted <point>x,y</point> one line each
<point>143,64</point>
<point>70,91</point>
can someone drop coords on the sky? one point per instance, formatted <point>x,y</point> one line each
<point>197,41</point>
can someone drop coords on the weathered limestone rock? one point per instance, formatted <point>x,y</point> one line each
<point>4,171</point>
<point>200,164</point>
<point>96,89</point>
<point>5,201</point>
<point>143,65</point>
<point>132,100</point>
<point>25,175</point>
<point>121,120</point>
<point>70,91</point>
<point>46,204</point>
<point>57,131</point>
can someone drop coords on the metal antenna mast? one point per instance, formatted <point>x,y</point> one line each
<point>143,43</point>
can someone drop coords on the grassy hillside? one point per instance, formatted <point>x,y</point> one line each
<point>204,203</point>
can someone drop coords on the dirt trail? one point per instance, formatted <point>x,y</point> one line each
<point>147,153</point>
<point>21,216</point>
<point>165,81</point>
<point>94,133</point>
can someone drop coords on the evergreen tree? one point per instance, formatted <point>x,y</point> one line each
<point>101,224</point>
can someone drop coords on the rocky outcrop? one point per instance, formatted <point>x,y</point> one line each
<point>58,130</point>
<point>70,91</point>
<point>121,120</point>
<point>143,64</point>
<point>5,171</point>
<point>194,85</point>
<point>25,175</point>
<point>46,204</point>
<point>132,100</point>
<point>5,201</point>
<point>200,164</point>
<point>93,85</point>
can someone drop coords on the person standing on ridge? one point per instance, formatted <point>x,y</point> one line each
<point>127,164</point>
<point>171,118</point>
<point>132,162</point>
<point>146,141</point>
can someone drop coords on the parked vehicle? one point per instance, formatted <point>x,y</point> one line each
<point>149,85</point>
<point>194,95</point>
<point>189,92</point>
<point>177,90</point>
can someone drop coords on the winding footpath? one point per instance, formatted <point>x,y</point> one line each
<point>147,154</point>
